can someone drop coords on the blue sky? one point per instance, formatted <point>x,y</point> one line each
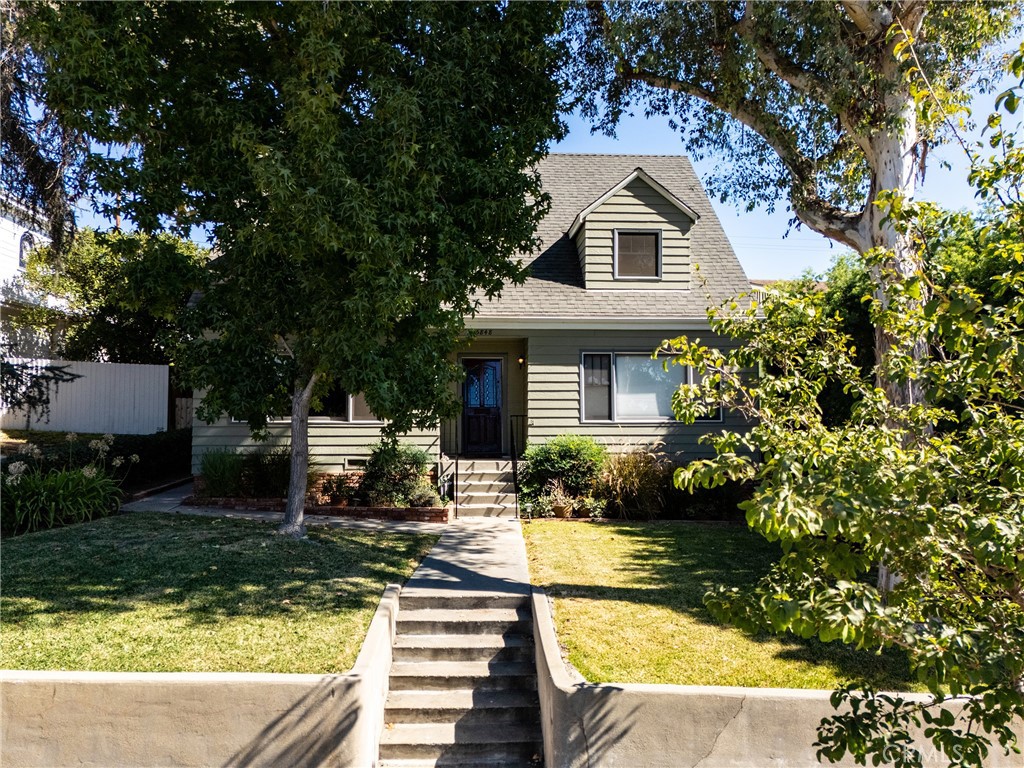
<point>760,239</point>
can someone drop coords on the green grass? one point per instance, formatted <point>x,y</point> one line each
<point>163,593</point>
<point>629,609</point>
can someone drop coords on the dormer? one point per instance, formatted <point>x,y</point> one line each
<point>636,235</point>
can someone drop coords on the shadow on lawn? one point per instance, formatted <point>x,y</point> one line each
<point>674,565</point>
<point>204,569</point>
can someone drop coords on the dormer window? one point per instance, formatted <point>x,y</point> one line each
<point>637,254</point>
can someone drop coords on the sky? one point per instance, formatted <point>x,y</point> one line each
<point>766,245</point>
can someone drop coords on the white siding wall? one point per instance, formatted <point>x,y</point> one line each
<point>553,391</point>
<point>635,206</point>
<point>110,397</point>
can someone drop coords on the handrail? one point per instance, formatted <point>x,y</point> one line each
<point>515,466</point>
<point>455,487</point>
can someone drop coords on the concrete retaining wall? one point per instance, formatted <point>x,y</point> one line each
<point>589,725</point>
<point>201,719</point>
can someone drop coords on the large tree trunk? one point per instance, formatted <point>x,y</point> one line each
<point>295,507</point>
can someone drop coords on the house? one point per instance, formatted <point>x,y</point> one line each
<point>569,351</point>
<point>20,233</point>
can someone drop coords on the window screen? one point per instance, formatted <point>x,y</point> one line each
<point>360,410</point>
<point>597,387</point>
<point>637,254</point>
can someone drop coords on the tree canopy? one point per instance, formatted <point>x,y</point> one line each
<point>365,170</point>
<point>827,106</point>
<point>114,296</point>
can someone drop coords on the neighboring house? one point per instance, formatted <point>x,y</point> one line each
<point>570,350</point>
<point>20,233</point>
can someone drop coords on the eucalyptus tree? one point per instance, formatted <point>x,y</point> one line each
<point>365,170</point>
<point>829,106</point>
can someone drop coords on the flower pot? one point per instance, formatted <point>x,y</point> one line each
<point>561,510</point>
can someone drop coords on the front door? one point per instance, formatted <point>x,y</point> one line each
<point>481,406</point>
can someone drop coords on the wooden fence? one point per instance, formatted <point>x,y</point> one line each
<point>119,398</point>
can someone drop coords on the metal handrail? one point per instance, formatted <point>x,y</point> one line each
<point>455,487</point>
<point>515,467</point>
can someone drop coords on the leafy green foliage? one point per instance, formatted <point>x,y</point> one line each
<point>632,483</point>
<point>932,489</point>
<point>573,460</point>
<point>222,474</point>
<point>120,297</point>
<point>367,170</point>
<point>394,474</point>
<point>34,501</point>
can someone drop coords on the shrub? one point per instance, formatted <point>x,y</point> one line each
<point>265,473</point>
<point>575,460</point>
<point>588,506</point>
<point>31,500</point>
<point>632,484</point>
<point>222,473</point>
<point>393,473</point>
<point>424,495</point>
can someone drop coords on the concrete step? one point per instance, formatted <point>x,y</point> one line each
<point>485,510</point>
<point>499,481</point>
<point>418,599</point>
<point>463,706</point>
<point>507,500</point>
<point>479,621</point>
<point>456,741</point>
<point>451,675</point>
<point>462,648</point>
<point>471,466</point>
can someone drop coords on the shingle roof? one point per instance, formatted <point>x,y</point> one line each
<point>555,286</point>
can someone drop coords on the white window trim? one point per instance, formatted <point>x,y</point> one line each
<point>658,233</point>
<point>346,419</point>
<point>687,379</point>
<point>351,411</point>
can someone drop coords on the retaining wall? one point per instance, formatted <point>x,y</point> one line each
<point>612,725</point>
<point>201,719</point>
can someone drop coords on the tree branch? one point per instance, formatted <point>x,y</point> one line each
<point>814,211</point>
<point>871,18</point>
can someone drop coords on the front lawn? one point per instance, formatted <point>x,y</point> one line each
<point>163,593</point>
<point>629,609</point>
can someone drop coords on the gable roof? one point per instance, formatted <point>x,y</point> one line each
<point>554,290</point>
<point>638,173</point>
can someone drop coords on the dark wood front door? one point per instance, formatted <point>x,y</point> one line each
<point>481,407</point>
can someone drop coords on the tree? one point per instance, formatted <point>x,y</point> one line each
<point>826,105</point>
<point>40,158</point>
<point>116,297</point>
<point>364,168</point>
<point>936,490</point>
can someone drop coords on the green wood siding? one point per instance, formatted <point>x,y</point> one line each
<point>635,206</point>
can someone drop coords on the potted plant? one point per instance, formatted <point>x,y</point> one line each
<point>561,502</point>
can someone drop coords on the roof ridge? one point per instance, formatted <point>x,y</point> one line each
<point>615,154</point>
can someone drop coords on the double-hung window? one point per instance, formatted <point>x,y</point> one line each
<point>631,386</point>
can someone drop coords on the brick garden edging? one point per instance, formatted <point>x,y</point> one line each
<point>403,514</point>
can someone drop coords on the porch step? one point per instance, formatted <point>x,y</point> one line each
<point>469,466</point>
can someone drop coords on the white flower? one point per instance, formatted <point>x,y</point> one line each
<point>108,439</point>
<point>17,468</point>
<point>89,471</point>
<point>117,461</point>
<point>71,437</point>
<point>135,458</point>
<point>13,479</point>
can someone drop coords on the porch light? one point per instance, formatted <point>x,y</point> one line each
<point>521,360</point>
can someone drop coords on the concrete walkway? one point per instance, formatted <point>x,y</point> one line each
<point>171,502</point>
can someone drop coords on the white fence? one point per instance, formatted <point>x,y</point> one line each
<point>110,397</point>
